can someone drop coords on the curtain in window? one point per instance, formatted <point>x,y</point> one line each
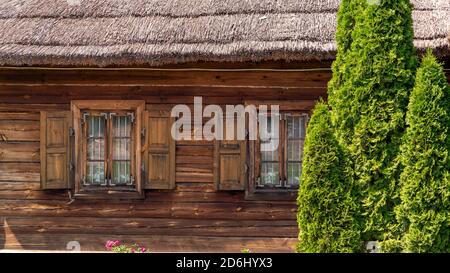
<point>121,150</point>
<point>95,168</point>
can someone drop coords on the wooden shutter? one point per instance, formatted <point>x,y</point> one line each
<point>55,152</point>
<point>229,164</point>
<point>159,151</point>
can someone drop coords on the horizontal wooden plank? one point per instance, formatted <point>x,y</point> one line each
<point>28,172</point>
<point>19,152</point>
<point>194,177</point>
<point>23,106</point>
<point>155,243</point>
<point>183,210</point>
<point>34,194</point>
<point>19,116</point>
<point>19,186</point>
<point>155,94</point>
<point>192,160</point>
<point>175,100</point>
<point>185,150</point>
<point>194,169</point>
<point>196,192</point>
<point>195,187</point>
<point>19,130</point>
<point>146,226</point>
<point>160,77</point>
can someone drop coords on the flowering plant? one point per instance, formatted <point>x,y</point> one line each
<point>119,247</point>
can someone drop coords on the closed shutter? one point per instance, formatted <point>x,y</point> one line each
<point>229,164</point>
<point>55,152</point>
<point>159,151</point>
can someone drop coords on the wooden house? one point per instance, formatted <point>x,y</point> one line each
<point>86,92</point>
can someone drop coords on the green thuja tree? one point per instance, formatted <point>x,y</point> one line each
<point>326,206</point>
<point>338,96</point>
<point>425,192</point>
<point>372,99</point>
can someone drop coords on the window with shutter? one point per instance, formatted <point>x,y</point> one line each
<point>55,152</point>
<point>107,147</point>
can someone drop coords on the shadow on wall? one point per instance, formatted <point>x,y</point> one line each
<point>8,239</point>
<point>2,233</point>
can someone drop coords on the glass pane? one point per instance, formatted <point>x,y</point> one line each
<point>95,173</point>
<point>296,127</point>
<point>270,174</point>
<point>269,155</point>
<point>293,173</point>
<point>266,131</point>
<point>121,149</point>
<point>122,126</point>
<point>295,150</point>
<point>121,172</point>
<point>270,150</point>
<point>96,126</point>
<point>96,149</point>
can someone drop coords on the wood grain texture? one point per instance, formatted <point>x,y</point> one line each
<point>156,243</point>
<point>161,77</point>
<point>193,216</point>
<point>19,130</point>
<point>19,152</point>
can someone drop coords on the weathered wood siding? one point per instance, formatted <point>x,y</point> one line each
<point>193,217</point>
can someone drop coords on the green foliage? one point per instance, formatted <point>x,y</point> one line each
<point>425,194</point>
<point>245,250</point>
<point>117,246</point>
<point>370,102</point>
<point>346,23</point>
<point>327,213</point>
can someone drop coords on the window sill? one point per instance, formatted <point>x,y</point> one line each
<point>109,194</point>
<point>271,195</point>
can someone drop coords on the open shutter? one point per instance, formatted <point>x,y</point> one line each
<point>55,153</point>
<point>159,151</point>
<point>229,164</point>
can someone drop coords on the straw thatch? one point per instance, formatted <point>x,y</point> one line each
<point>155,32</point>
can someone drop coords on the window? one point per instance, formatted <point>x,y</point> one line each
<point>107,146</point>
<point>107,142</point>
<point>280,167</point>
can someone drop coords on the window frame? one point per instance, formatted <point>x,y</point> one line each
<point>282,156</point>
<point>134,106</point>
<point>253,192</point>
<point>285,132</point>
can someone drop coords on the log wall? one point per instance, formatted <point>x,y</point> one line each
<point>193,217</point>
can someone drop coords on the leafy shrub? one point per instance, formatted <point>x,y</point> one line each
<point>327,211</point>
<point>425,194</point>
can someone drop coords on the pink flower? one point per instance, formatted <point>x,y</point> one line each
<point>143,249</point>
<point>110,244</point>
<point>133,250</point>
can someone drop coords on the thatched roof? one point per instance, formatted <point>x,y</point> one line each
<point>155,32</point>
